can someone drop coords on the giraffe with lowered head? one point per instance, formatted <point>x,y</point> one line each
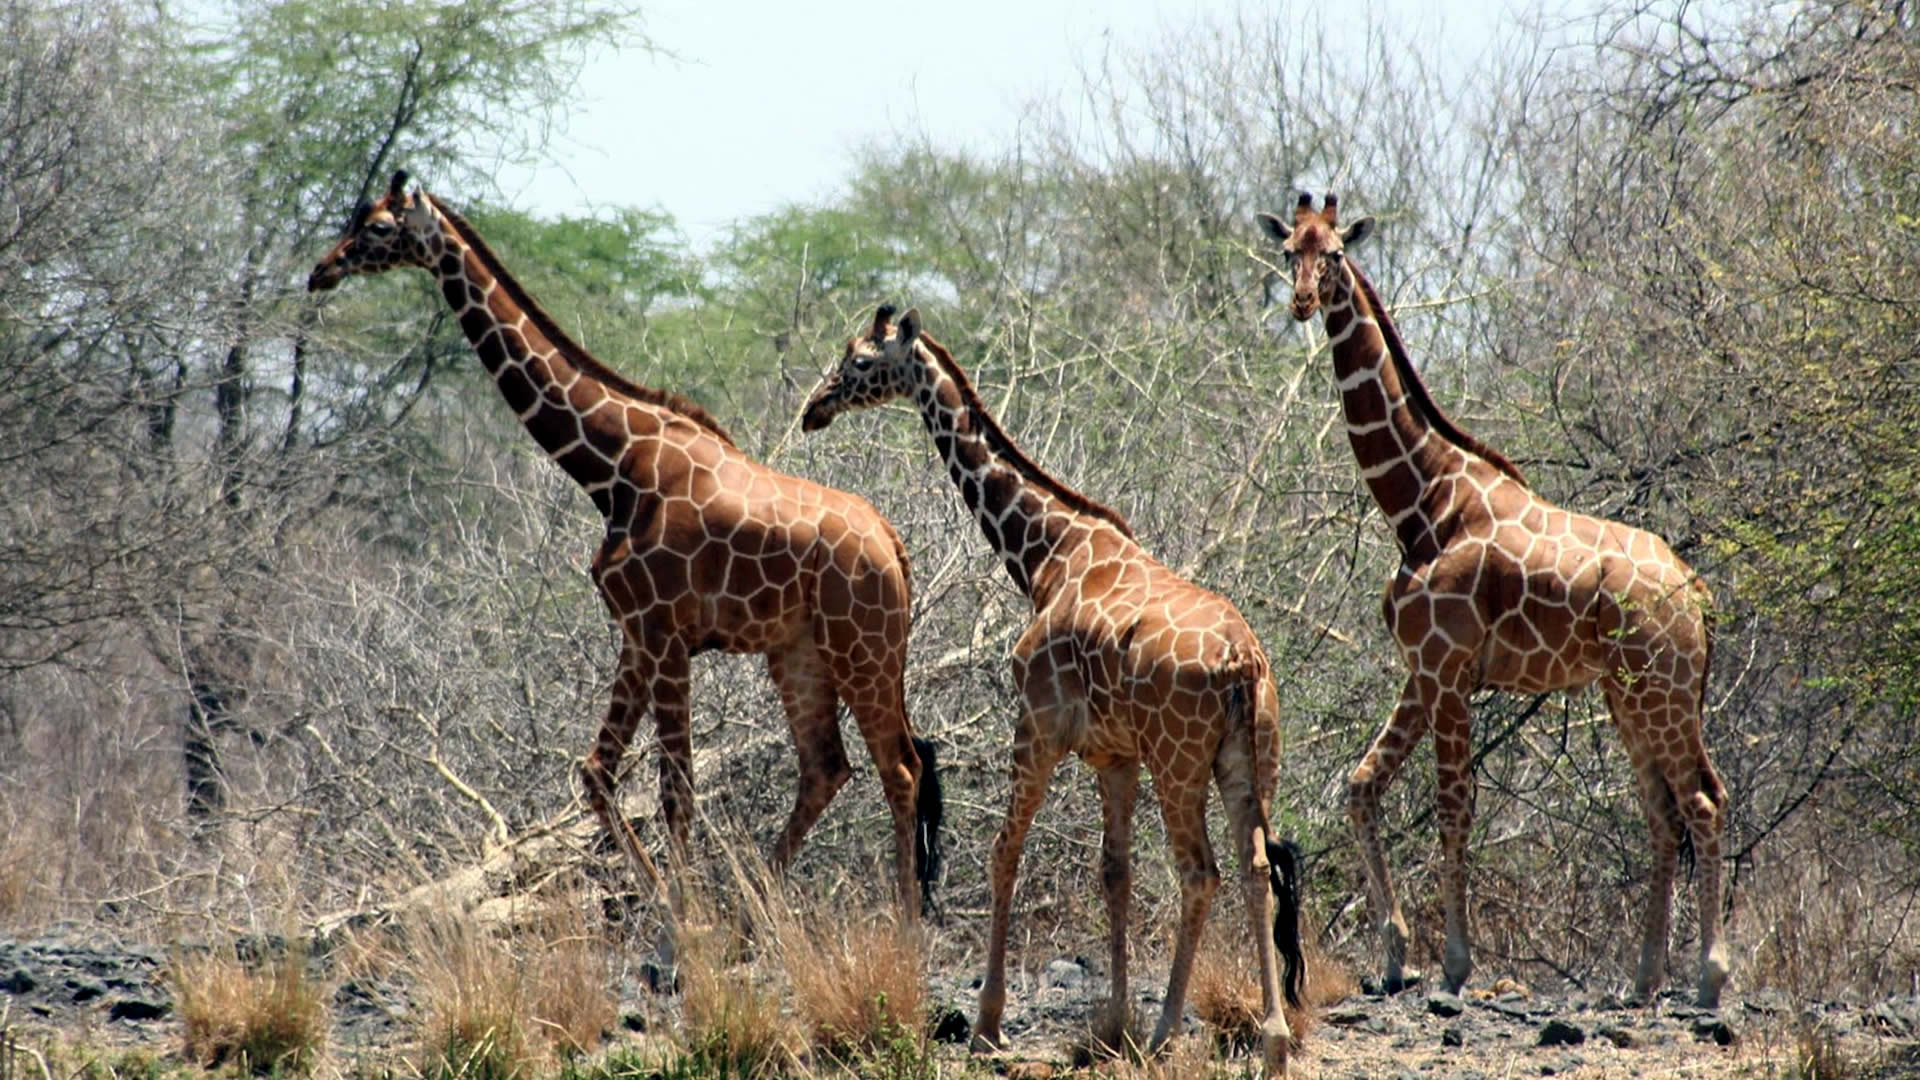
<point>1497,587</point>
<point>1124,663</point>
<point>705,549</point>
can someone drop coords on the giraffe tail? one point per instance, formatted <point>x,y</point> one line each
<point>1283,876</point>
<point>1283,858</point>
<point>929,809</point>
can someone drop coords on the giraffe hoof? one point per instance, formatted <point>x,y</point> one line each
<point>986,1042</point>
<point>662,979</point>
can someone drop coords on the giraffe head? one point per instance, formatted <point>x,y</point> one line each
<point>397,229</point>
<point>874,370</point>
<point>1314,247</point>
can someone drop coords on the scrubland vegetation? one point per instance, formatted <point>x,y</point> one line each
<point>294,618</point>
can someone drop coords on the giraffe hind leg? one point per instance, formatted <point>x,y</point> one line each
<point>813,721</point>
<point>1183,806</point>
<point>1268,874</point>
<point>1368,782</point>
<point>1703,811</point>
<point>1119,793</point>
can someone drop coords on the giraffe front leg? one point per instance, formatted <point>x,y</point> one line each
<point>1119,792</point>
<point>597,773</point>
<point>1453,759</point>
<point>1369,781</point>
<point>673,729</point>
<point>1033,766</point>
<point>629,702</point>
<point>1183,807</point>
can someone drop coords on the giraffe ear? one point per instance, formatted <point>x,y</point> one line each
<point>419,212</point>
<point>1276,228</point>
<point>909,327</point>
<point>398,184</point>
<point>1356,232</point>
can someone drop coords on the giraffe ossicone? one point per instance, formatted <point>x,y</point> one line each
<point>1497,587</point>
<point>705,549</point>
<point>1124,664</point>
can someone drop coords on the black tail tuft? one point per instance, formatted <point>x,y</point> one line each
<point>929,809</point>
<point>1283,875</point>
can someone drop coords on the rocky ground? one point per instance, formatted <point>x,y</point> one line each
<point>115,995</point>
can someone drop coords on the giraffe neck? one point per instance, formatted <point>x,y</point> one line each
<point>573,405</point>
<point>1403,453</point>
<point>1028,517</point>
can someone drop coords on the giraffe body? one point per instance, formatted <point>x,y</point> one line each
<point>705,549</point>
<point>1498,587</point>
<point>1125,664</point>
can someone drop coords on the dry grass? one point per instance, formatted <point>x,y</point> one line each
<point>731,1016</point>
<point>1225,992</point>
<point>269,1019</point>
<point>858,988</point>
<point>504,1005</point>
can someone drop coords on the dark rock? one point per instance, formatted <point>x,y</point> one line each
<point>85,990</point>
<point>1514,1009</point>
<point>1454,1035</point>
<point>1346,1017</point>
<point>951,1026</point>
<point>137,1009</point>
<point>1066,975</point>
<point>1713,1026</point>
<point>18,981</point>
<point>1376,987</point>
<point>1443,1004</point>
<point>1561,1033</point>
<point>1618,1036</point>
<point>660,978</point>
<point>1890,1019</point>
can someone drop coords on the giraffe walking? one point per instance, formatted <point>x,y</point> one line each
<point>1497,587</point>
<point>1125,664</point>
<point>705,549</point>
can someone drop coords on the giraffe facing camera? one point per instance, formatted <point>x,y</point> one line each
<point>1499,588</point>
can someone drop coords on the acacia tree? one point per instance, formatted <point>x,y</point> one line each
<point>177,414</point>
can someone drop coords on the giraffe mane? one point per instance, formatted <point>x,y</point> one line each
<point>1003,445</point>
<point>576,353</point>
<point>1417,388</point>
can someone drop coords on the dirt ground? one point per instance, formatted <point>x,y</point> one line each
<point>109,994</point>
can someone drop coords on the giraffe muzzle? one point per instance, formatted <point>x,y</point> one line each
<point>325,276</point>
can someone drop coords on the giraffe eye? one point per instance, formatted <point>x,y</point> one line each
<point>1333,256</point>
<point>380,228</point>
<point>861,361</point>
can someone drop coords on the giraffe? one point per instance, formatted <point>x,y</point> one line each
<point>705,549</point>
<point>1124,663</point>
<point>1497,587</point>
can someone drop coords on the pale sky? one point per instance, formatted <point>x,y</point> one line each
<point>768,102</point>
